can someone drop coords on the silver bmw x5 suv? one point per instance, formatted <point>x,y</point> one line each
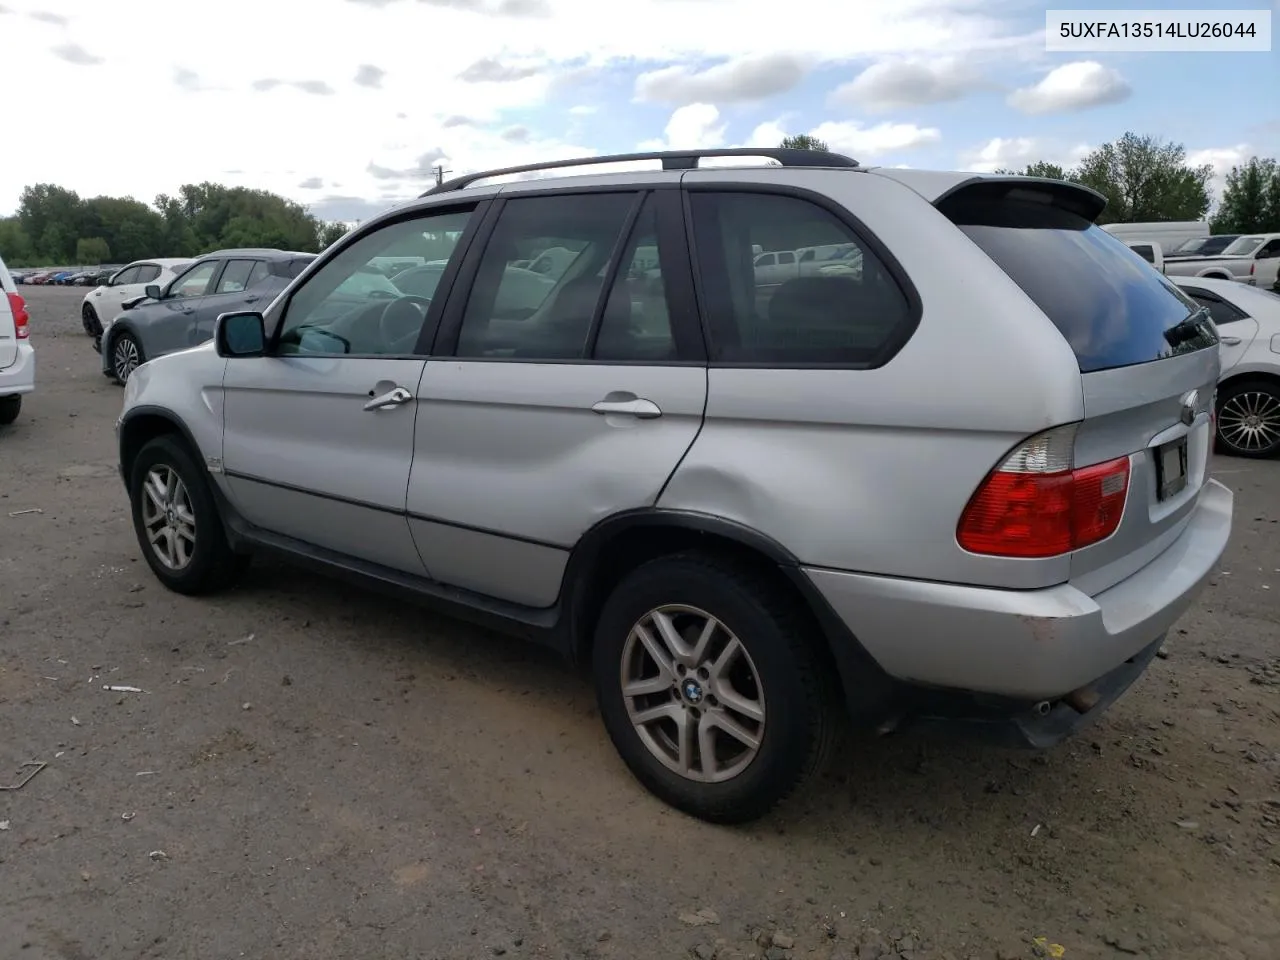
<point>770,447</point>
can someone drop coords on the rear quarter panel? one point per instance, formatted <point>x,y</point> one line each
<point>870,470</point>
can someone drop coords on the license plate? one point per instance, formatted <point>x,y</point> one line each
<point>1171,468</point>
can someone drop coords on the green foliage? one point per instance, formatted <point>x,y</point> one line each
<point>802,141</point>
<point>92,250</point>
<point>1251,200</point>
<point>331,233</point>
<point>56,226</point>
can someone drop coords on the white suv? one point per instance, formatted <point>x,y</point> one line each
<point>17,358</point>
<point>101,304</point>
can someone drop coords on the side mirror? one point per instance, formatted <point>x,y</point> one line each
<point>240,334</point>
<point>152,291</point>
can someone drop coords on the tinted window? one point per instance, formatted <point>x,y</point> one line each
<point>147,273</point>
<point>636,324</point>
<point>1271,250</point>
<point>235,277</point>
<point>261,270</point>
<point>1145,251</point>
<point>1112,308</point>
<point>1212,246</point>
<point>1220,311</point>
<point>515,312</point>
<point>848,311</point>
<point>195,282</point>
<point>349,306</point>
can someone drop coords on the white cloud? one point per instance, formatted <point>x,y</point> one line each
<point>895,84</point>
<point>746,79</point>
<point>693,126</point>
<point>858,141</point>
<point>1072,86</point>
<point>1222,159</point>
<point>1014,153</point>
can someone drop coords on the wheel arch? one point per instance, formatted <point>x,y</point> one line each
<point>142,424</point>
<point>619,544</point>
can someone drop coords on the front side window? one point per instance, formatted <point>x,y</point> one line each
<point>195,282</point>
<point>350,307</point>
<point>849,311</point>
<point>126,276</point>
<point>525,314</point>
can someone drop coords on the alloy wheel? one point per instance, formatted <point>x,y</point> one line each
<point>1250,421</point>
<point>692,693</point>
<point>168,517</point>
<point>124,357</point>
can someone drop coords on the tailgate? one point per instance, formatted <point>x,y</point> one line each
<point>1147,353</point>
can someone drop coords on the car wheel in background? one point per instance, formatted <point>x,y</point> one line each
<point>177,522</point>
<point>10,407</point>
<point>89,317</point>
<point>1249,418</point>
<point>711,687</point>
<point>126,356</point>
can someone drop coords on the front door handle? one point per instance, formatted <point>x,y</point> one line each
<point>1231,341</point>
<point>635,407</point>
<point>253,299</point>
<point>392,398</point>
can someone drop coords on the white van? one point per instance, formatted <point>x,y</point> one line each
<point>1169,235</point>
<point>17,357</point>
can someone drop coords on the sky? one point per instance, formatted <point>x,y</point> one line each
<point>348,105</point>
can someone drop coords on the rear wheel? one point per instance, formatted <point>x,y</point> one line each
<point>10,407</point>
<point>710,687</point>
<point>89,317</point>
<point>176,520</point>
<point>1249,418</point>
<point>126,356</point>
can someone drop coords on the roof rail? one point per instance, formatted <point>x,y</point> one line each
<point>671,160</point>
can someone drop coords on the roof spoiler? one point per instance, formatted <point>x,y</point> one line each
<point>1063,194</point>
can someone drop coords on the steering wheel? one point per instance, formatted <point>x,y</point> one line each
<point>401,322</point>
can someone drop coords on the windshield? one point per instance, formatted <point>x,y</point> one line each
<point>1244,247</point>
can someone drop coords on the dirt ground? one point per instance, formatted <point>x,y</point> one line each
<point>313,772</point>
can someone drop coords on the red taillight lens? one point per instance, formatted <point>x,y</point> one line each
<point>1037,505</point>
<point>21,319</point>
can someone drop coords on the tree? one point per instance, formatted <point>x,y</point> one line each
<point>331,233</point>
<point>1251,200</point>
<point>92,250</point>
<point>15,246</point>
<point>1145,179</point>
<point>802,141</point>
<point>1041,168</point>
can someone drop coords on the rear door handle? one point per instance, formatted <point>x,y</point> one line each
<point>392,398</point>
<point>1231,341</point>
<point>636,407</point>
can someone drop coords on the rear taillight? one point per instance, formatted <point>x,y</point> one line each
<point>1039,504</point>
<point>21,319</point>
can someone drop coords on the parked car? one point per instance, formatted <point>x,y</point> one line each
<point>1203,246</point>
<point>1252,259</point>
<point>101,304</point>
<point>1248,404</point>
<point>957,486</point>
<point>180,314</point>
<point>17,357</point>
<point>1166,234</point>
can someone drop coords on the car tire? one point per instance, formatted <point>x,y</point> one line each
<point>797,718</point>
<point>10,407</point>
<point>1248,419</point>
<point>89,318</point>
<point>177,522</point>
<point>126,356</point>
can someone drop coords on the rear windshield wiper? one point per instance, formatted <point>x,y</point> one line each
<point>1188,328</point>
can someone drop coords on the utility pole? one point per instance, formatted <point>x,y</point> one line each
<point>440,172</point>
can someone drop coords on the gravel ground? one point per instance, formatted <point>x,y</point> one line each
<point>313,772</point>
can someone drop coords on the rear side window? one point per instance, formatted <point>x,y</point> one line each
<point>1112,308</point>
<point>148,272</point>
<point>847,311</point>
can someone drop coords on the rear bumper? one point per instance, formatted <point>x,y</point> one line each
<point>1028,646</point>
<point>19,376</point>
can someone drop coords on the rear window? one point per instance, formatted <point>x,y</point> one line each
<point>1112,308</point>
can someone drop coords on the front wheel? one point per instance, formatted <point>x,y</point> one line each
<point>710,687</point>
<point>126,356</point>
<point>89,318</point>
<point>176,520</point>
<point>1249,419</point>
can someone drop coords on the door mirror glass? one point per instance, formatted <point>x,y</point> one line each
<point>240,335</point>
<point>152,290</point>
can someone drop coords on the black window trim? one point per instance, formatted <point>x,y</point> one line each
<point>480,209</point>
<point>673,255</point>
<point>862,235</point>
